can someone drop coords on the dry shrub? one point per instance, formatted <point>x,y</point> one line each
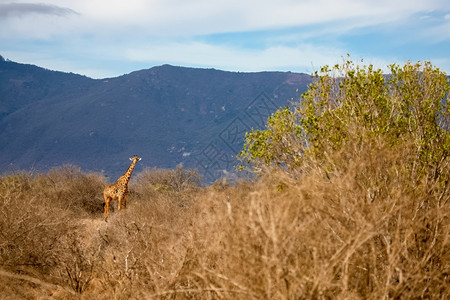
<point>370,230</point>
<point>70,188</point>
<point>167,187</point>
<point>143,246</point>
<point>40,215</point>
<point>176,180</point>
<point>29,226</point>
<point>79,256</point>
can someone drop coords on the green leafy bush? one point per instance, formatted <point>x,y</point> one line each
<point>352,104</point>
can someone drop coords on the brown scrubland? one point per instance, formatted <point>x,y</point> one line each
<point>366,231</point>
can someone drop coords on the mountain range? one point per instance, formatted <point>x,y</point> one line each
<point>168,115</point>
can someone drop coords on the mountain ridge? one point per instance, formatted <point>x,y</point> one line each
<point>166,114</point>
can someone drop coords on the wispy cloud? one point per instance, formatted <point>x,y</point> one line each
<point>22,9</point>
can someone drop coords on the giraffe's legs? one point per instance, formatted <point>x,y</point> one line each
<point>124,201</point>
<point>107,201</point>
<point>120,202</point>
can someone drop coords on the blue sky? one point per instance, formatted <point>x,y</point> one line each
<point>107,38</point>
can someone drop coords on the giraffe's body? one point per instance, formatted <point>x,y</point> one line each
<point>119,190</point>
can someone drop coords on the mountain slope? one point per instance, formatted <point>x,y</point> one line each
<point>168,115</point>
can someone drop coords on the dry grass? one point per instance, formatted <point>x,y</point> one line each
<point>370,230</point>
<point>363,232</point>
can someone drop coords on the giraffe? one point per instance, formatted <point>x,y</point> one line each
<point>119,190</point>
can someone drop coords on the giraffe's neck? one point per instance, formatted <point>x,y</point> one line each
<point>127,174</point>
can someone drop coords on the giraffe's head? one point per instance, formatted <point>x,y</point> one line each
<point>135,158</point>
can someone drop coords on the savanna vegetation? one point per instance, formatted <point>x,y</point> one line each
<point>350,201</point>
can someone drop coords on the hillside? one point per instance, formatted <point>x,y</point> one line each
<point>168,115</point>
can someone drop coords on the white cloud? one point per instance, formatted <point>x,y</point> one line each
<point>437,29</point>
<point>142,18</point>
<point>198,17</point>
<point>177,31</point>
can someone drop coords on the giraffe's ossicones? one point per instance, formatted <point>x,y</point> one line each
<point>119,190</point>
